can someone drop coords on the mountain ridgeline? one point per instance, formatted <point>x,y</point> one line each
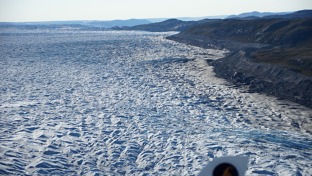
<point>282,32</point>
<point>78,24</point>
<point>164,26</point>
<point>270,53</point>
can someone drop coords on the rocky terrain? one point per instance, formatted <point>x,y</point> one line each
<point>269,55</point>
<point>266,78</point>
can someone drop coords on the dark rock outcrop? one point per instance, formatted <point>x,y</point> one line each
<point>265,78</point>
<point>207,42</point>
<point>275,32</point>
<point>272,56</point>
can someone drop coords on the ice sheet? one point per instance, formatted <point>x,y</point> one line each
<point>134,103</point>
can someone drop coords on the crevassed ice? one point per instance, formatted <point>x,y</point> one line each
<point>134,103</point>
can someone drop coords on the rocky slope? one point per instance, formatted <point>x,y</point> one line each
<point>269,55</point>
<point>283,42</point>
<point>266,78</point>
<point>273,79</point>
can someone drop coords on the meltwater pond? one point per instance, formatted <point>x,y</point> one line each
<point>134,103</point>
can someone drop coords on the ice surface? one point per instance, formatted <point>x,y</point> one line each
<point>134,103</point>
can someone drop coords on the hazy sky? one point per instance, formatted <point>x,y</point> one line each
<point>50,10</point>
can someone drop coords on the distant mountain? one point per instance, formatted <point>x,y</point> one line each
<point>156,20</point>
<point>255,14</point>
<point>202,18</point>
<point>120,23</point>
<point>179,25</point>
<point>81,23</point>
<point>167,25</point>
<point>298,14</point>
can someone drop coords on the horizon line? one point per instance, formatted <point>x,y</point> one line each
<point>148,18</point>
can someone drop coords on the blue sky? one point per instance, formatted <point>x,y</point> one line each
<point>52,10</point>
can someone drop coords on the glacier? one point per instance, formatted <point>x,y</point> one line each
<point>133,103</point>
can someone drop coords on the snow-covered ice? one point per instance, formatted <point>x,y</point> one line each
<point>134,103</point>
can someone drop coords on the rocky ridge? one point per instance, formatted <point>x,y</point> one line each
<point>265,78</point>
<point>268,55</point>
